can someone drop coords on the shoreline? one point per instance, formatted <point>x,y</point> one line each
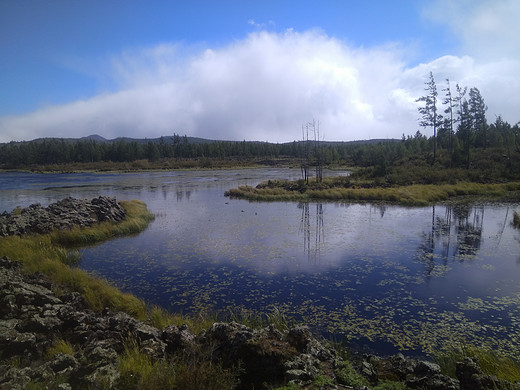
<point>343,189</point>
<point>289,346</point>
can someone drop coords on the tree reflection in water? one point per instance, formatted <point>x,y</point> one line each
<point>312,242</point>
<point>454,234</point>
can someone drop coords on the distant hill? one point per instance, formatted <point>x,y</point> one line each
<point>170,139</point>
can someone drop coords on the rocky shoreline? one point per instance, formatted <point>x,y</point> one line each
<point>64,214</point>
<point>36,315</point>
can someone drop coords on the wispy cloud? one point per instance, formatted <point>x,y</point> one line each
<point>264,87</point>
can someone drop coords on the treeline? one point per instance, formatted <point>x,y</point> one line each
<point>61,151</point>
<point>451,149</point>
<point>462,139</point>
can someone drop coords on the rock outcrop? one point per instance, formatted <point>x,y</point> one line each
<point>33,319</point>
<point>63,214</point>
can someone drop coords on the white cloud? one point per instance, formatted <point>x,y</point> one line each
<point>264,87</point>
<point>487,29</point>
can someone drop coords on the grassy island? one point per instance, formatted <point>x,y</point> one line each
<point>345,189</point>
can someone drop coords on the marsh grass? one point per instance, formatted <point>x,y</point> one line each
<point>339,189</point>
<point>256,320</point>
<point>138,371</point>
<point>137,219</point>
<point>51,254</point>
<point>491,363</point>
<point>161,318</point>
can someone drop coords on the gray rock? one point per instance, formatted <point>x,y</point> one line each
<point>64,214</point>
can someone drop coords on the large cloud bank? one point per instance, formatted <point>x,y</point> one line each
<point>265,86</point>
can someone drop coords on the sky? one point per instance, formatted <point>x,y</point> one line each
<point>248,70</point>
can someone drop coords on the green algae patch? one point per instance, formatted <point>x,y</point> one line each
<point>342,189</point>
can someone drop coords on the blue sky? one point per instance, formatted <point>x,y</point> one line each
<point>254,70</point>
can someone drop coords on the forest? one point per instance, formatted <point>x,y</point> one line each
<point>461,141</point>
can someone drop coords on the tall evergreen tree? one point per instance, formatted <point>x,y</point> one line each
<point>464,130</point>
<point>429,115</point>
<point>478,109</point>
<point>449,102</point>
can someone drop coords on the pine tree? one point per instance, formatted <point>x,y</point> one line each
<point>478,109</point>
<point>429,115</point>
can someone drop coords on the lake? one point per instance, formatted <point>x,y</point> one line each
<point>380,277</point>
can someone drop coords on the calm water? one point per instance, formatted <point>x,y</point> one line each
<point>385,277</point>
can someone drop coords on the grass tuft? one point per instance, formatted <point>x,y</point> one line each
<point>491,363</point>
<point>138,371</point>
<point>347,375</point>
<point>59,346</point>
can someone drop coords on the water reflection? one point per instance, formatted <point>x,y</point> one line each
<point>312,242</point>
<point>462,224</point>
<point>383,272</point>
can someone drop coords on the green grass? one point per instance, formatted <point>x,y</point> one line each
<point>136,221</point>
<point>60,346</point>
<point>161,318</point>
<point>256,320</point>
<point>51,254</point>
<point>138,371</point>
<point>491,363</point>
<point>337,190</point>
<point>347,375</point>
